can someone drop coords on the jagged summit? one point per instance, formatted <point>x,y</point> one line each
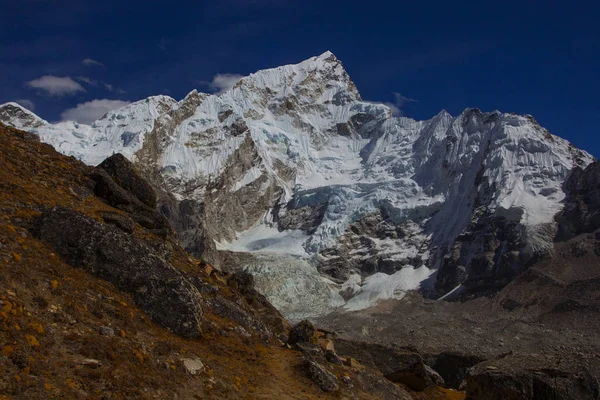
<point>290,171</point>
<point>16,115</point>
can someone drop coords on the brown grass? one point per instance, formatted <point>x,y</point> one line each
<point>51,313</point>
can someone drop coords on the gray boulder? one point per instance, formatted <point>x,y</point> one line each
<point>130,263</point>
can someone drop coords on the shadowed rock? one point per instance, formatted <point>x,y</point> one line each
<point>325,379</point>
<point>581,213</point>
<point>302,332</point>
<point>396,364</point>
<point>132,265</point>
<point>531,377</point>
<point>118,197</point>
<point>125,175</point>
<point>453,366</point>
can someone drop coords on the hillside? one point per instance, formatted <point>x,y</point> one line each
<point>139,318</point>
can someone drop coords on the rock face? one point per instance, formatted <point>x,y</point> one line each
<point>291,164</point>
<point>582,204</point>
<point>122,199</point>
<point>530,377</point>
<point>397,365</point>
<point>122,171</point>
<point>131,264</point>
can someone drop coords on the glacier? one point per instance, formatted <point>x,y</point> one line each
<point>329,199</point>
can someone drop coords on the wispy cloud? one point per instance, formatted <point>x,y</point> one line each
<point>88,62</point>
<point>56,85</point>
<point>397,106</point>
<point>109,87</point>
<point>221,83</point>
<point>28,104</point>
<point>87,80</point>
<point>90,111</point>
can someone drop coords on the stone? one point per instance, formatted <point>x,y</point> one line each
<point>351,362</point>
<point>398,365</point>
<point>302,332</point>
<point>118,197</point>
<point>131,264</point>
<point>418,378</point>
<point>192,366</point>
<point>244,281</point>
<point>106,331</point>
<point>123,222</point>
<point>90,363</point>
<point>125,175</point>
<point>531,376</point>
<point>332,357</point>
<point>327,381</point>
<point>326,344</point>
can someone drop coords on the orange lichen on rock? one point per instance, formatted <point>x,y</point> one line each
<point>32,341</point>
<point>7,351</point>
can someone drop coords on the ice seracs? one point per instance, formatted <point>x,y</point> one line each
<point>291,164</point>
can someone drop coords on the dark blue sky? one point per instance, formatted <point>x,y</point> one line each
<point>535,57</point>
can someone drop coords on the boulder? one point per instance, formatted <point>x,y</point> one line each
<point>244,281</point>
<point>192,366</point>
<point>122,171</point>
<point>327,381</point>
<point>396,364</point>
<point>302,332</point>
<point>419,377</point>
<point>118,197</point>
<point>130,263</point>
<point>532,377</point>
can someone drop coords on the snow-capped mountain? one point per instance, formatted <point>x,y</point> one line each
<point>290,172</point>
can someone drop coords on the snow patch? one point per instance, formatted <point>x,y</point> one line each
<point>382,286</point>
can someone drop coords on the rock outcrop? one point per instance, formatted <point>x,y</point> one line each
<point>396,364</point>
<point>125,175</point>
<point>130,263</point>
<point>531,377</point>
<point>581,213</point>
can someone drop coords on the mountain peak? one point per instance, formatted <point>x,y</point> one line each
<point>328,56</point>
<point>14,114</point>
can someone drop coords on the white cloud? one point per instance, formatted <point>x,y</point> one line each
<point>88,62</point>
<point>56,85</point>
<point>109,87</point>
<point>28,104</point>
<point>397,106</point>
<point>92,110</point>
<point>223,82</point>
<point>87,80</point>
<point>402,100</point>
<point>396,111</point>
